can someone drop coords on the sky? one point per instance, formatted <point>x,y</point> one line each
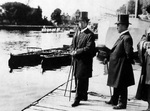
<point>93,7</point>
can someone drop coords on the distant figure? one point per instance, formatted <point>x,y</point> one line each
<point>83,45</point>
<point>44,30</point>
<point>143,91</point>
<point>145,14</point>
<point>120,72</point>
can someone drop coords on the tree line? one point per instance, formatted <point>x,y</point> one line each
<point>16,13</point>
<point>21,14</point>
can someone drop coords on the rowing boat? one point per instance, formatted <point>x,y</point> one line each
<point>34,58</point>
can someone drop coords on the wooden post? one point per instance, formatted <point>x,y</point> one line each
<point>136,8</point>
<point>127,8</point>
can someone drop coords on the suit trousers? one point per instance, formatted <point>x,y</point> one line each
<point>82,88</point>
<point>148,94</point>
<point>75,80</point>
<point>120,96</point>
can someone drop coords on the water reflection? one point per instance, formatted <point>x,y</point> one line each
<point>19,40</point>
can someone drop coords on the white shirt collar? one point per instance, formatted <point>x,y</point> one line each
<point>83,29</point>
<point>124,32</point>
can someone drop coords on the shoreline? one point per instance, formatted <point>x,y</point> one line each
<point>28,27</point>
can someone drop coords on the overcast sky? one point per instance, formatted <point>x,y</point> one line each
<point>94,7</point>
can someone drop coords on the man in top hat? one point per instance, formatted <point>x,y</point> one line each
<point>83,51</point>
<point>120,72</point>
<point>143,90</point>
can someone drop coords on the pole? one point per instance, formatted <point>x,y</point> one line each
<point>109,86</point>
<point>127,8</point>
<point>69,76</point>
<point>136,8</point>
<point>71,85</point>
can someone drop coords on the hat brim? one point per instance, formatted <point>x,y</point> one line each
<point>122,23</point>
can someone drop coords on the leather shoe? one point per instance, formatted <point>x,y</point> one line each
<point>110,103</point>
<point>73,91</point>
<point>120,106</point>
<point>76,103</point>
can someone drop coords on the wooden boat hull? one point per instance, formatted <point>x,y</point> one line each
<point>21,60</point>
<point>35,58</point>
<point>52,63</point>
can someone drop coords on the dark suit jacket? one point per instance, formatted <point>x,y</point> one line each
<point>120,72</point>
<point>84,44</point>
<point>144,80</point>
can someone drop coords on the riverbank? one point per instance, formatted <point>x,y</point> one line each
<point>28,27</point>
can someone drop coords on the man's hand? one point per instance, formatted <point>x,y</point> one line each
<point>105,61</point>
<point>148,51</point>
<point>73,53</point>
<point>147,45</point>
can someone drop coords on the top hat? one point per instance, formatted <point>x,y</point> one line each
<point>123,19</point>
<point>84,16</point>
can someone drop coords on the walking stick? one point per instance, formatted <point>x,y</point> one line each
<point>68,76</point>
<point>71,85</point>
<point>109,86</point>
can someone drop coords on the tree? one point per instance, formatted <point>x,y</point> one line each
<point>64,18</point>
<point>56,16</point>
<point>15,11</point>
<point>122,9</point>
<point>131,7</point>
<point>18,13</point>
<point>34,16</point>
<point>77,14</point>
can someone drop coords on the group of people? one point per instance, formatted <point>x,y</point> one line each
<point>120,72</point>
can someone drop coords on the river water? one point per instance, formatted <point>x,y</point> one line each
<point>23,86</point>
